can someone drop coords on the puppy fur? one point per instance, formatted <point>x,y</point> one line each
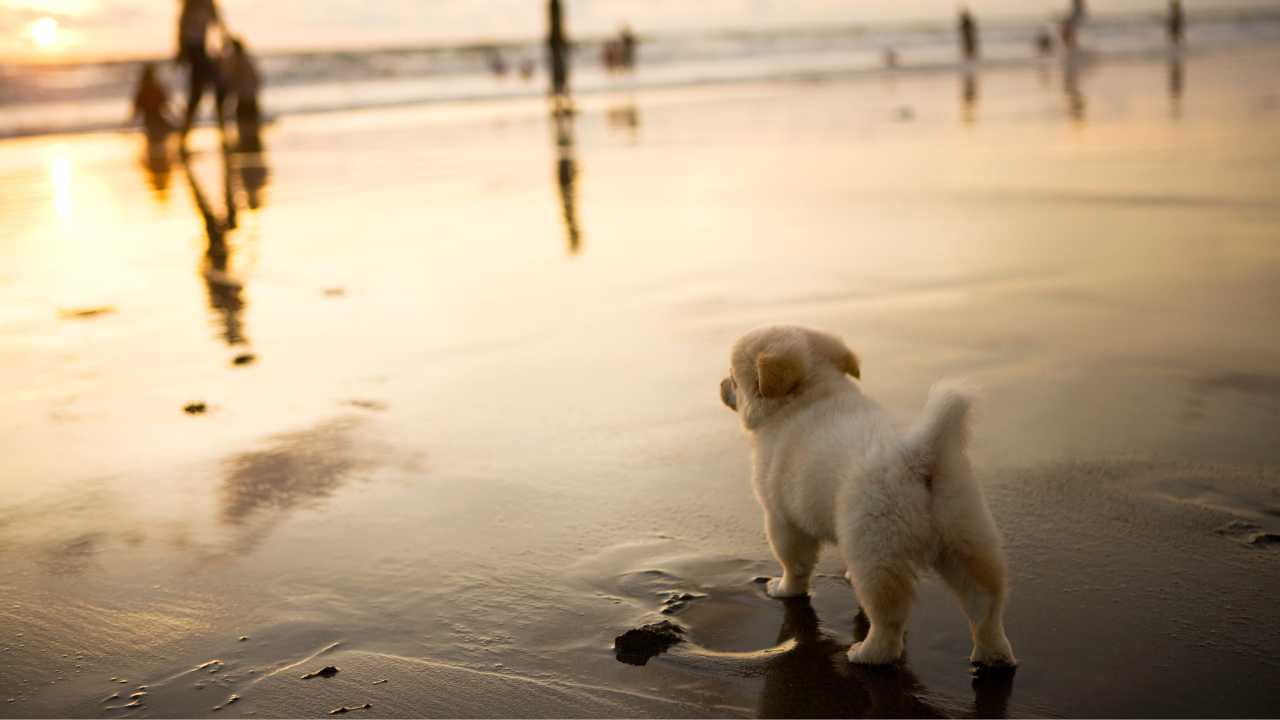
<point>829,466</point>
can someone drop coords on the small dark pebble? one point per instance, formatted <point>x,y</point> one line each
<point>344,709</point>
<point>327,671</point>
<point>89,312</point>
<point>244,359</point>
<point>635,647</point>
<point>195,408</point>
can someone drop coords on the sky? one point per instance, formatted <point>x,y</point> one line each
<point>53,30</point>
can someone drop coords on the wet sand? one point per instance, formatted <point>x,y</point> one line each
<point>480,435</point>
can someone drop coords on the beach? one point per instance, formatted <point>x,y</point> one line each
<point>443,410</point>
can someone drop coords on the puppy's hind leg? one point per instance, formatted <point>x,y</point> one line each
<point>796,551</point>
<point>977,579</point>
<point>886,596</point>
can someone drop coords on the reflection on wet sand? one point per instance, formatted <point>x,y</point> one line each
<point>294,470</point>
<point>224,288</point>
<point>1176,81</point>
<point>625,118</point>
<point>156,163</point>
<point>562,119</point>
<point>969,96</point>
<point>1072,66</point>
<point>814,679</point>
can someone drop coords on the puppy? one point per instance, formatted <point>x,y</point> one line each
<point>829,466</point>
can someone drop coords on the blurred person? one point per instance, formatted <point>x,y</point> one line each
<point>242,82</point>
<point>1044,42</point>
<point>526,69</point>
<point>1177,22</point>
<point>497,65</point>
<point>151,102</point>
<point>627,46</point>
<point>968,28</point>
<point>193,52</point>
<point>890,58</point>
<point>1069,28</point>
<point>558,51</point>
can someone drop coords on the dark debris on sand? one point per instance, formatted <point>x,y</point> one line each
<point>345,709</point>
<point>327,671</point>
<point>88,312</point>
<point>195,408</point>
<point>244,359</point>
<point>636,646</point>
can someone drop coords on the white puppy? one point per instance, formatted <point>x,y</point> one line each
<point>828,466</point>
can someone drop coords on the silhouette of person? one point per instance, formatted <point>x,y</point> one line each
<point>567,175</point>
<point>1069,29</point>
<point>1044,42</point>
<point>1177,22</point>
<point>558,50</point>
<point>151,102</point>
<point>627,47</point>
<point>243,82</point>
<point>193,52</point>
<point>968,28</point>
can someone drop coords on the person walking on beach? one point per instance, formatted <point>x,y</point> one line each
<point>1177,22</point>
<point>151,102</point>
<point>240,74</point>
<point>968,34</point>
<point>193,30</point>
<point>558,50</point>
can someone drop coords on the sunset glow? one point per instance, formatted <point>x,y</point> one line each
<point>44,33</point>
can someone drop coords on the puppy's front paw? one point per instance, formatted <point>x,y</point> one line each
<point>780,588</point>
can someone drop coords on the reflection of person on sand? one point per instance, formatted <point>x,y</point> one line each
<point>1076,104</point>
<point>812,678</point>
<point>193,30</point>
<point>151,102</point>
<point>969,96</point>
<point>567,175</point>
<point>223,287</point>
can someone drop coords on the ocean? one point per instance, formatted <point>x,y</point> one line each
<point>42,99</point>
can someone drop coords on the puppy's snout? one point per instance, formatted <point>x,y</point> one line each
<point>727,395</point>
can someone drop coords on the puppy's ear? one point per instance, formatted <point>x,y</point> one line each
<point>834,349</point>
<point>780,367</point>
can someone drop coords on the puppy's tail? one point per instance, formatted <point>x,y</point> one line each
<point>941,432</point>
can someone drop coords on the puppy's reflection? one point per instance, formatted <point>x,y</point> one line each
<point>814,678</point>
